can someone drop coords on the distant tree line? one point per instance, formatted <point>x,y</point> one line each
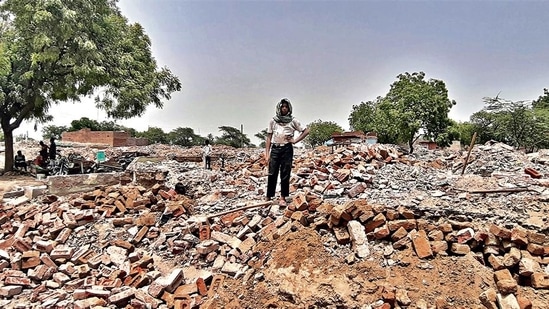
<point>180,136</point>
<point>413,107</point>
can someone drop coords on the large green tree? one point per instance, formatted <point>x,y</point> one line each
<point>184,137</point>
<point>321,131</point>
<point>154,135</point>
<point>517,123</point>
<point>231,136</point>
<point>52,130</point>
<point>422,106</point>
<point>413,106</point>
<point>54,51</point>
<point>85,123</point>
<point>376,116</point>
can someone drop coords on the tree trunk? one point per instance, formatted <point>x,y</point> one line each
<point>8,142</point>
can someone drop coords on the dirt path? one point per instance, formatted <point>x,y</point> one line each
<point>9,183</point>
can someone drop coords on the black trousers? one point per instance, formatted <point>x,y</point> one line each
<point>208,162</point>
<point>280,161</point>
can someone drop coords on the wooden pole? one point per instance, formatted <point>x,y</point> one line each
<point>506,190</point>
<point>469,152</point>
<point>267,203</point>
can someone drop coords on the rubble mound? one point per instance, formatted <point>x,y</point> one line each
<point>368,226</point>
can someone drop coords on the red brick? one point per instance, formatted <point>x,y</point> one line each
<point>21,245</point>
<point>17,281</point>
<point>421,244</point>
<point>62,253</point>
<point>532,172</point>
<point>63,235</point>
<point>156,288</point>
<point>122,296</point>
<point>217,282</point>
<point>201,286</point>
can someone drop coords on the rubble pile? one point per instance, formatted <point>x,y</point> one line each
<point>152,247</point>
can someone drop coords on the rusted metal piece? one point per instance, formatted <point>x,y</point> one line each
<point>469,152</point>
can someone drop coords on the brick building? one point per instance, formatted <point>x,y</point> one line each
<point>112,138</point>
<point>345,138</point>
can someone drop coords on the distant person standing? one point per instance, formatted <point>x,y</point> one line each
<point>53,149</point>
<point>43,151</point>
<point>20,160</point>
<point>206,151</point>
<point>279,148</point>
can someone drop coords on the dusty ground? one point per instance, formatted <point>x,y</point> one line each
<point>297,271</point>
<point>9,183</point>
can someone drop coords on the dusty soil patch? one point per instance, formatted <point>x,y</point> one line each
<point>9,183</point>
<point>299,273</point>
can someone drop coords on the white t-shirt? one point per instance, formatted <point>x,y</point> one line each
<point>206,150</point>
<point>281,131</point>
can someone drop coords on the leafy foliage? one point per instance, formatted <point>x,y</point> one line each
<point>519,123</point>
<point>543,101</point>
<point>422,106</point>
<point>321,131</point>
<point>58,51</point>
<point>55,131</point>
<point>184,137</point>
<point>461,131</point>
<point>231,136</point>
<point>154,135</point>
<point>262,135</point>
<point>413,106</point>
<point>84,123</point>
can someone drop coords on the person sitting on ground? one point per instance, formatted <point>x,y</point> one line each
<point>20,160</point>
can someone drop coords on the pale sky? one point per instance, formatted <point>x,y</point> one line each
<point>237,59</point>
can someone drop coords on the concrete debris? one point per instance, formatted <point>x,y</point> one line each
<point>97,241</point>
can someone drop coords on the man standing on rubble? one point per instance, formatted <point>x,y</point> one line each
<point>206,151</point>
<point>279,150</point>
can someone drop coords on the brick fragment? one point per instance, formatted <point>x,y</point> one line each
<point>61,253</point>
<point>147,299</point>
<point>217,282</point>
<point>10,290</point>
<point>122,296</point>
<point>21,245</point>
<point>532,172</point>
<point>201,287</point>
<point>421,244</point>
<point>156,288</point>
<point>540,280</point>
<point>500,231</point>
<point>22,281</point>
<point>63,235</point>
<point>88,303</point>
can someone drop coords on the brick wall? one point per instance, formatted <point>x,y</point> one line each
<point>112,138</point>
